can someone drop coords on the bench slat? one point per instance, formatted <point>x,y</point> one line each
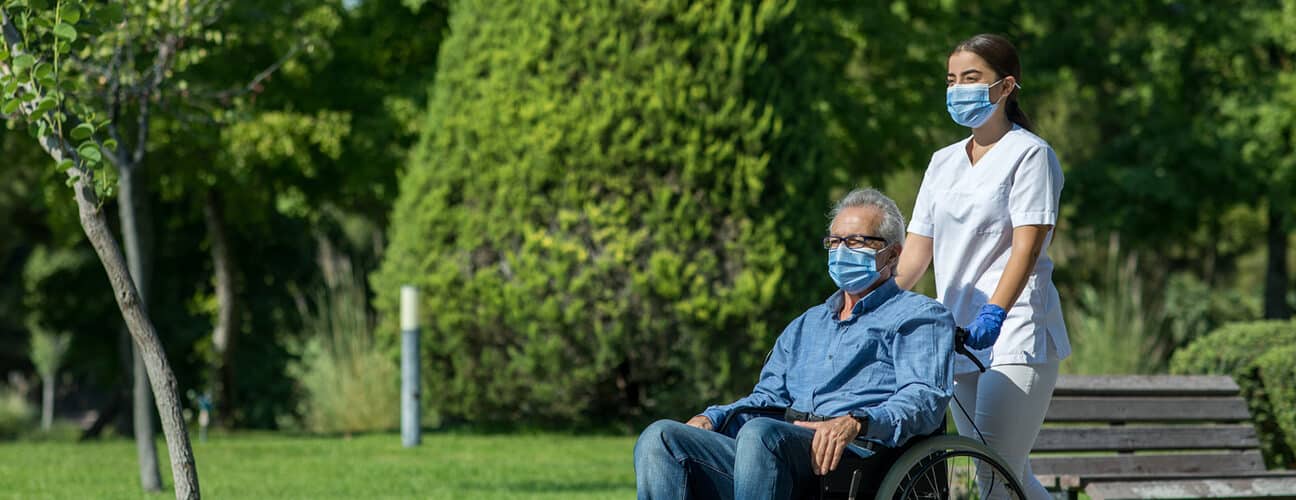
<point>1248,461</point>
<point>1145,385</point>
<point>1204,488</point>
<point>1184,437</point>
<point>1134,409</point>
<point>1077,482</point>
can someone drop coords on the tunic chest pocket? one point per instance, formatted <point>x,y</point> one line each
<point>981,211</point>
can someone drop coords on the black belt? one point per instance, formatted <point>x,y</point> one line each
<point>790,416</point>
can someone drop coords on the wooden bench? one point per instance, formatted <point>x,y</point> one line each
<point>1153,437</point>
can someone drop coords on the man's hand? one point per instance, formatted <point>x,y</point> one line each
<point>701,422</point>
<point>830,440</point>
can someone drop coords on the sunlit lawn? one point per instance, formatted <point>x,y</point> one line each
<point>372,466</point>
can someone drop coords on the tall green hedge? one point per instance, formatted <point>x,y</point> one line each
<point>606,206</point>
<point>1252,354</point>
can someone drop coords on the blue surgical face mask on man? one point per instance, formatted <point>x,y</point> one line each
<point>969,103</point>
<point>853,270</point>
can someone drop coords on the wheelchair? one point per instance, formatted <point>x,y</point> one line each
<point>934,466</point>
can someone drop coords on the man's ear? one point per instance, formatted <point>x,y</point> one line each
<point>891,255</point>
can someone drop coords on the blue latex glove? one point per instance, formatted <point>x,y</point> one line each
<point>984,330</point>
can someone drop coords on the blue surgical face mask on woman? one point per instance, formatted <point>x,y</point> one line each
<point>969,103</point>
<point>853,270</point>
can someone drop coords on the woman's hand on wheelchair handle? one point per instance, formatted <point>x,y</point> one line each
<point>984,330</point>
<point>830,440</point>
<point>701,422</point>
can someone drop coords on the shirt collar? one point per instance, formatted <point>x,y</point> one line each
<point>867,303</point>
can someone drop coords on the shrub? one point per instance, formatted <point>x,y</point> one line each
<point>1236,350</point>
<point>603,211</point>
<point>1112,328</point>
<point>1278,375</point>
<point>349,384</point>
<point>16,415</point>
<point>1194,308</point>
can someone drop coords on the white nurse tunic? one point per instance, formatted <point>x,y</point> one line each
<point>970,212</point>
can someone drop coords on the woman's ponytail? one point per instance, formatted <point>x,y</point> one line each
<point>1016,115</point>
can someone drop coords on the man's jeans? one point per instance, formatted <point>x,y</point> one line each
<point>769,459</point>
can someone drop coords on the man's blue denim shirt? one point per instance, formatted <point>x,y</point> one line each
<point>891,361</point>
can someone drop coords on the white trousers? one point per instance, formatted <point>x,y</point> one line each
<point>1008,403</point>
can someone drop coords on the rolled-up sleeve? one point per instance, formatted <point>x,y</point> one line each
<point>923,349</point>
<point>1036,189</point>
<point>771,389</point>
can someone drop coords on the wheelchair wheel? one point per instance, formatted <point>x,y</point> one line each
<point>950,467</point>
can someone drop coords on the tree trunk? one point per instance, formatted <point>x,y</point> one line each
<point>1275,292</point>
<point>226,330</point>
<point>133,217</point>
<point>142,425</point>
<point>161,378</point>
<point>183,469</point>
<point>47,400</point>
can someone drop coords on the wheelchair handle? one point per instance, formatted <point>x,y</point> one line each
<point>960,336</point>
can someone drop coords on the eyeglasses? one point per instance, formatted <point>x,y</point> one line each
<point>854,242</point>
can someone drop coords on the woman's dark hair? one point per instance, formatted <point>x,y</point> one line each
<point>1000,54</point>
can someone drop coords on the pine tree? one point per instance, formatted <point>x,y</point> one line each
<point>615,208</point>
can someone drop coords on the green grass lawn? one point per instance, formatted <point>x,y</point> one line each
<point>373,466</point>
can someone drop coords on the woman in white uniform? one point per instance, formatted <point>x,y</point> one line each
<point>984,216</point>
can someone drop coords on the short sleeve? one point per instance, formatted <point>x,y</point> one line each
<point>920,222</point>
<point>1036,189</point>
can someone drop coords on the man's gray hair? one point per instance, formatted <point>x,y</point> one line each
<point>893,223</point>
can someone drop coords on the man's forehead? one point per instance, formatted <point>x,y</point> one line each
<point>857,220</point>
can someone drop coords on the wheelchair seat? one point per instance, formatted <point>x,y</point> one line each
<point>855,477</point>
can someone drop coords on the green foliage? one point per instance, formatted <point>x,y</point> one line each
<point>1124,315</point>
<point>38,88</point>
<point>1112,327</point>
<point>348,383</point>
<point>16,415</point>
<point>610,197</point>
<point>611,214</point>
<point>1194,308</point>
<point>1237,350</point>
<point>312,149</point>
<point>283,145</point>
<point>63,293</point>
<point>1278,375</point>
<point>48,349</point>
<point>1233,348</point>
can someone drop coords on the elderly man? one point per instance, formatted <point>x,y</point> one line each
<point>860,374</point>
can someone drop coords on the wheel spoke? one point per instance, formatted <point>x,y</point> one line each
<point>966,474</point>
<point>931,481</point>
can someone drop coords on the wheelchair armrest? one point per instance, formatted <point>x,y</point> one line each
<point>736,416</point>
